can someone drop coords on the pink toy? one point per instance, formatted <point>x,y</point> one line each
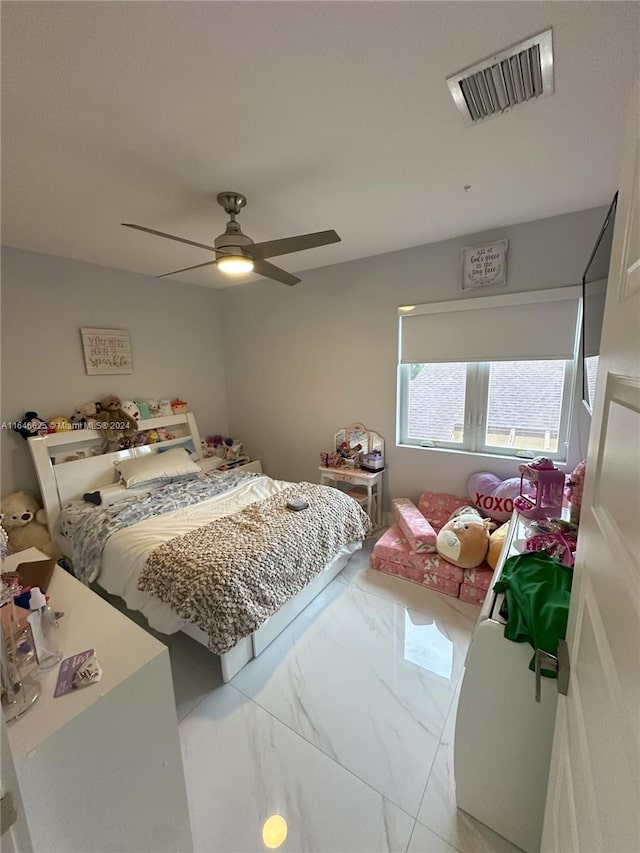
<point>575,485</point>
<point>546,501</point>
<point>562,547</point>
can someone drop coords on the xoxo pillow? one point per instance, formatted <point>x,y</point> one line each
<point>494,495</point>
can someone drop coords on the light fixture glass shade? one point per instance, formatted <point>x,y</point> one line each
<point>234,264</point>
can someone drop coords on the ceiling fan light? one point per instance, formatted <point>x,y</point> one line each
<point>234,264</point>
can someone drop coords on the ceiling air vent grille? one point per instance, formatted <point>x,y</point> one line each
<point>514,76</point>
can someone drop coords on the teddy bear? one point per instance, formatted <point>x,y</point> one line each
<point>85,415</point>
<point>25,523</point>
<point>464,539</point>
<point>114,422</point>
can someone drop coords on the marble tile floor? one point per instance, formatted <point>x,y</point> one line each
<point>343,727</point>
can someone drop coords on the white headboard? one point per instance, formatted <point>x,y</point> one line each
<point>62,481</point>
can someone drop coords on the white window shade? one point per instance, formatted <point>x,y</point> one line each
<point>529,326</point>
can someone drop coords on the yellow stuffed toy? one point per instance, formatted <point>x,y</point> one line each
<point>496,543</point>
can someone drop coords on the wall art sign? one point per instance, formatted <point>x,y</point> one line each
<point>484,266</point>
<point>107,351</point>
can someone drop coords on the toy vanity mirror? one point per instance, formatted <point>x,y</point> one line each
<point>357,434</point>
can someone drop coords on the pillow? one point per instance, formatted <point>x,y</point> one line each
<point>494,495</point>
<point>156,467</point>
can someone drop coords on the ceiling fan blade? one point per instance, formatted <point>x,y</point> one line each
<point>168,236</point>
<point>271,271</point>
<point>272,248</point>
<point>184,269</point>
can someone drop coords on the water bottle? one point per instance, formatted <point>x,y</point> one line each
<point>44,628</point>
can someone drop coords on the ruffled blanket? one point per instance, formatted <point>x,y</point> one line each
<point>229,576</point>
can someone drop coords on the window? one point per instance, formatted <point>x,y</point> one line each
<point>504,407</point>
<point>488,402</point>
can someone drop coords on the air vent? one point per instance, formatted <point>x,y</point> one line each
<point>512,77</point>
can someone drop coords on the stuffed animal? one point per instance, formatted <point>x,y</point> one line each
<point>164,434</point>
<point>114,422</point>
<point>464,539</point>
<point>152,436</point>
<point>25,523</point>
<point>31,424</point>
<point>495,495</point>
<point>60,424</point>
<point>131,408</point>
<point>85,415</point>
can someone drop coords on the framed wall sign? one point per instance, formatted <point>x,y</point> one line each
<point>107,351</point>
<point>484,266</point>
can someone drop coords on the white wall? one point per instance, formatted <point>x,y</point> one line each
<point>304,361</point>
<point>175,338</point>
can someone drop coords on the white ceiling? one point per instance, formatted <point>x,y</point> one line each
<point>326,115</point>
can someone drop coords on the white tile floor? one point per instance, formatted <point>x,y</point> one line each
<point>343,726</point>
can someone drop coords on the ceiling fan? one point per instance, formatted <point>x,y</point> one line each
<point>235,253</point>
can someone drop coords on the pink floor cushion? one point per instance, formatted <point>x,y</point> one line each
<point>437,507</point>
<point>414,526</point>
<point>420,576</point>
<point>392,547</point>
<point>479,577</point>
<point>472,594</point>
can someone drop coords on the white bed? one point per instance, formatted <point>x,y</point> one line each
<point>126,551</point>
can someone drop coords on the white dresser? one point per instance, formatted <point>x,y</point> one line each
<point>503,737</point>
<point>101,768</point>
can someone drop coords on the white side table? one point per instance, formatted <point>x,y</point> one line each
<point>370,480</point>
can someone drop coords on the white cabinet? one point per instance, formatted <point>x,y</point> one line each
<point>503,737</point>
<point>100,769</point>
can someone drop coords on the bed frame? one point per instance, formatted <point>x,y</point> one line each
<point>68,464</point>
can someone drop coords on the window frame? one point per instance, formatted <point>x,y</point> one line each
<point>475,414</point>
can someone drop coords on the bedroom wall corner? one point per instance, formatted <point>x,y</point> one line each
<point>175,331</point>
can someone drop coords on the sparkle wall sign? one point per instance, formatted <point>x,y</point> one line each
<point>484,266</point>
<point>107,351</point>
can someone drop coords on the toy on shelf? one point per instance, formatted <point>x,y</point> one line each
<point>229,449</point>
<point>373,461</point>
<point>179,407</point>
<point>114,423</point>
<point>31,424</point>
<point>548,482</point>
